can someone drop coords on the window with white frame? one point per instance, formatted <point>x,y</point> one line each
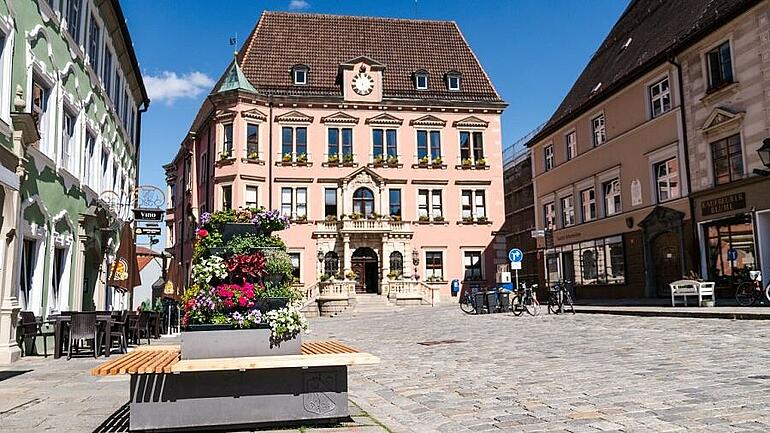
<point>567,211</point>
<point>296,266</point>
<point>429,205</point>
<point>88,158</point>
<point>471,147</point>
<point>384,144</point>
<point>227,141</point>
<point>299,75</point>
<point>94,42</point>
<point>720,66</point>
<point>612,203</point>
<point>5,72</point>
<point>293,143</point>
<point>203,176</point>
<point>251,196</point>
<point>667,179</point>
<point>660,97</point>
<point>549,215</point>
<point>105,166</point>
<point>588,204</point>
<point>571,144</point>
<point>434,266</point>
<point>598,130</point>
<point>428,145</point>
<point>548,157</point>
<point>294,202</point>
<point>117,91</point>
<point>453,82</point>
<point>58,280</point>
<point>107,72</point>
<point>472,266</point>
<point>421,80</point>
<point>473,205</point>
<point>252,141</point>
<point>74,12</point>
<point>340,144</point>
<point>28,267</point>
<point>227,197</point>
<point>67,139</point>
<point>330,202</point>
<point>40,95</point>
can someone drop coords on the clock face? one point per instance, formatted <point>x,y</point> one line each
<point>363,83</point>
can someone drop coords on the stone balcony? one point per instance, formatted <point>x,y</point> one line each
<point>351,226</point>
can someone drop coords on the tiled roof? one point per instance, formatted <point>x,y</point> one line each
<point>645,35</point>
<point>281,40</point>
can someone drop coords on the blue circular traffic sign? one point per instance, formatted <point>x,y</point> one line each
<point>515,255</point>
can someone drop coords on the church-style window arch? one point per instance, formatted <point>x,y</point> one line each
<point>331,263</point>
<point>363,202</point>
<point>396,263</point>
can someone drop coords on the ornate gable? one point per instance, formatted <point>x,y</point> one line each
<point>720,120</point>
<point>470,122</point>
<point>384,119</point>
<point>340,118</point>
<point>363,177</point>
<point>254,114</point>
<point>428,120</point>
<point>221,115</point>
<point>294,116</point>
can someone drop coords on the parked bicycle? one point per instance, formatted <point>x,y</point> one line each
<point>525,299</point>
<point>559,297</point>
<point>749,292</point>
<point>467,302</point>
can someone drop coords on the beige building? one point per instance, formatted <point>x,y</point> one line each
<point>726,81</point>
<point>611,165</point>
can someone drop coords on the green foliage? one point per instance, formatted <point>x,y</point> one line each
<point>248,242</point>
<point>283,290</point>
<point>279,264</point>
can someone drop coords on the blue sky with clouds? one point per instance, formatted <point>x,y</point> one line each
<point>533,50</point>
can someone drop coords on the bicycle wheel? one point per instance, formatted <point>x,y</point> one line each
<point>467,306</point>
<point>767,292</point>
<point>529,305</point>
<point>746,294</point>
<point>568,304</point>
<point>516,306</point>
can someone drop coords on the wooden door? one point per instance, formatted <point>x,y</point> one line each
<point>358,266</point>
<point>668,262</point>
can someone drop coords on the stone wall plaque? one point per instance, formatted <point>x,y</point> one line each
<point>636,193</point>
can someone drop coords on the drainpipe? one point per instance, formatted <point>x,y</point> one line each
<point>138,139</point>
<point>270,153</point>
<point>685,146</point>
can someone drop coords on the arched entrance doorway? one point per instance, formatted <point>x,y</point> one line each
<point>365,264</point>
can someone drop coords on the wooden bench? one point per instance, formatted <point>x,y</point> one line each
<point>168,393</point>
<point>685,288</point>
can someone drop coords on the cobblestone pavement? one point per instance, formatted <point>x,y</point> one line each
<point>582,373</point>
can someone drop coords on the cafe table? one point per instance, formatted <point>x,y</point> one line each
<point>61,323</point>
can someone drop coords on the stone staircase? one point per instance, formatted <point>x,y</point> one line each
<point>366,303</point>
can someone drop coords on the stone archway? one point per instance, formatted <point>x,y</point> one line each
<point>365,263</point>
<point>662,236</point>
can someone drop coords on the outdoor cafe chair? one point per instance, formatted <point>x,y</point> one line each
<point>141,327</point>
<point>118,331</point>
<point>82,327</point>
<point>31,329</point>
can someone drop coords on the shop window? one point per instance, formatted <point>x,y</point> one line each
<point>730,234</point>
<point>727,159</point>
<point>600,261</point>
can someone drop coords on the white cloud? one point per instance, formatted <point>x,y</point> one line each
<point>167,87</point>
<point>297,5</point>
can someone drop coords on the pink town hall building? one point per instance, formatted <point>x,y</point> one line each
<point>379,137</point>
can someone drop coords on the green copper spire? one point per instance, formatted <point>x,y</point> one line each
<point>234,79</point>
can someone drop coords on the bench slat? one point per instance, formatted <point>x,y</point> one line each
<point>269,362</point>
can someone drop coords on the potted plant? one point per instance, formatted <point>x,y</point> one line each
<point>378,160</point>
<point>423,162</point>
<point>333,159</point>
<point>482,220</point>
<point>240,299</point>
<point>356,216</point>
<point>467,219</point>
<point>438,218</point>
<point>392,161</point>
<point>253,155</point>
<point>350,275</point>
<point>347,158</point>
<point>437,161</point>
<point>286,157</point>
<point>331,218</point>
<point>395,217</point>
<point>224,156</point>
<point>424,218</point>
<point>394,275</point>
<point>481,163</point>
<point>467,163</point>
<point>302,158</point>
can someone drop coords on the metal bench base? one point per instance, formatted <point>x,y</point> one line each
<point>236,399</point>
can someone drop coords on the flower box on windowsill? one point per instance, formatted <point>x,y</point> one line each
<point>430,165</point>
<point>253,161</point>
<point>433,222</point>
<point>300,221</point>
<point>225,161</point>
<point>294,164</point>
<point>435,282</point>
<point>339,164</point>
<point>475,221</point>
<point>472,166</point>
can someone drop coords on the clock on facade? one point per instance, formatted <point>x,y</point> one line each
<point>363,83</point>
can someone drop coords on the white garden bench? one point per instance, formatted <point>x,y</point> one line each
<point>685,288</point>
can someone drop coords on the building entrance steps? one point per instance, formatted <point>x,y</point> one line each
<point>366,303</point>
<point>725,309</point>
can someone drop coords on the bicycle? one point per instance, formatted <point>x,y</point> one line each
<point>560,296</point>
<point>525,300</point>
<point>467,302</point>
<point>749,292</point>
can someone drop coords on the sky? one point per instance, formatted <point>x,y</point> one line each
<point>533,50</point>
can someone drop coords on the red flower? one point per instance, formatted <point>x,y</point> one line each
<point>190,304</point>
<point>243,302</point>
<point>246,267</point>
<point>228,304</point>
<point>224,292</point>
<point>202,233</point>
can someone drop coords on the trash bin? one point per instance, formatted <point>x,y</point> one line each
<point>478,299</point>
<point>455,287</point>
<point>504,300</point>
<point>492,301</point>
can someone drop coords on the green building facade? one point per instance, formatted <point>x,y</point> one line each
<point>71,101</point>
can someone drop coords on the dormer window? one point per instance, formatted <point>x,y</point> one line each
<point>453,81</point>
<point>299,74</point>
<point>421,80</point>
